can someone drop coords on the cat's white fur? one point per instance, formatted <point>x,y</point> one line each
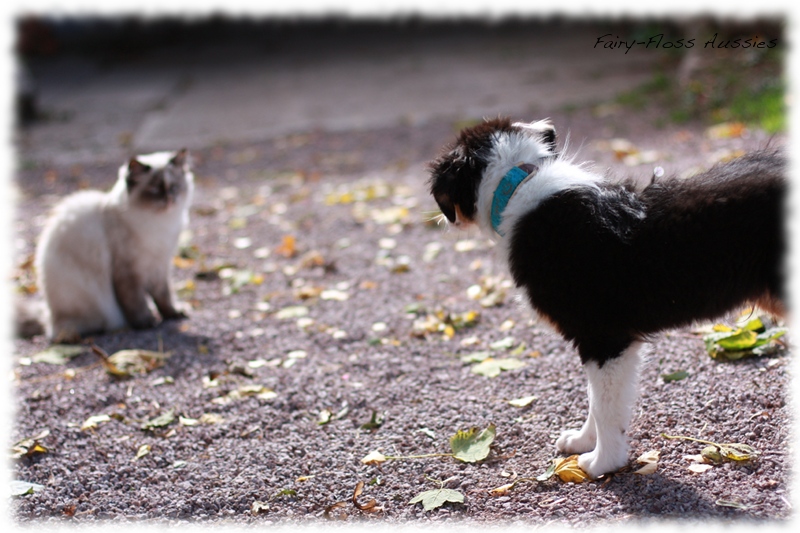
<point>74,254</point>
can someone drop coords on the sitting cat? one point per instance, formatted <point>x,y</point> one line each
<point>103,255</point>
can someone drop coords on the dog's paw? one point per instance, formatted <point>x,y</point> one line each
<point>595,464</point>
<point>576,441</point>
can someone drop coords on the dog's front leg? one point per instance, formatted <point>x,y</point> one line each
<point>580,440</point>
<point>612,393</point>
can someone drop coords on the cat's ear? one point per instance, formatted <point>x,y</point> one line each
<point>136,169</point>
<point>181,158</point>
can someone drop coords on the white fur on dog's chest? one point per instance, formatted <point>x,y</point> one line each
<point>552,178</point>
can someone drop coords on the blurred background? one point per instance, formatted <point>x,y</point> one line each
<point>98,89</point>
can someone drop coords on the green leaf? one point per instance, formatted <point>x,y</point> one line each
<point>551,469</point>
<point>431,499</point>
<point>475,357</point>
<point>742,342</point>
<point>503,344</point>
<point>21,488</point>
<point>57,354</point>
<point>470,446</point>
<point>374,423</point>
<point>675,376</point>
<point>160,421</point>
<point>491,367</point>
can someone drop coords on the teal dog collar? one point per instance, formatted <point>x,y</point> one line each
<point>505,190</point>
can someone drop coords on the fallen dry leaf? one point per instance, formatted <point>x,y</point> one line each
<point>567,469</point>
<point>374,458</point>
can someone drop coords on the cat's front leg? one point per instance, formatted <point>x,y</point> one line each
<point>132,298</point>
<point>165,301</point>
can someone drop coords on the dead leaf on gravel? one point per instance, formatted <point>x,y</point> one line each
<point>288,247</point>
<point>522,402</point>
<point>503,344</point>
<point>160,421</point>
<point>30,446</point>
<point>491,367</point>
<point>431,499</point>
<point>444,322</point>
<point>466,245</point>
<point>714,451</point>
<point>57,354</point>
<point>503,489</point>
<point>237,279</point>
<point>432,250</point>
<point>471,446</point>
<point>259,507</point>
<point>333,294</point>
<point>374,458</point>
<point>675,376</point>
<point>699,468</point>
<point>732,504</point>
<point>567,469</point>
<point>126,363</point>
<point>259,391</point>
<point>329,509</point>
<point>325,416</point>
<point>726,130</point>
<point>211,418</point>
<point>143,450</point>
<point>94,421</point>
<point>292,311</point>
<point>650,462</point>
<point>370,507</point>
<point>23,488</point>
<point>490,291</point>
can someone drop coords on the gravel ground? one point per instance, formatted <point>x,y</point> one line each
<point>350,360</point>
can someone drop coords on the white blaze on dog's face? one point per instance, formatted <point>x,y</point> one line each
<point>459,174</point>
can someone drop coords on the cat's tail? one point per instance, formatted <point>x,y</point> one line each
<point>29,318</point>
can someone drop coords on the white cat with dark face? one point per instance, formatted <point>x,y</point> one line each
<point>103,255</point>
<point>609,264</point>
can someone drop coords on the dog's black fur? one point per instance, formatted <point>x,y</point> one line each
<point>611,267</point>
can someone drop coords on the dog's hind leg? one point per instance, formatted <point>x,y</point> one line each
<point>612,393</point>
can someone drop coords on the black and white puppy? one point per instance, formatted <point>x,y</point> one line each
<point>606,264</point>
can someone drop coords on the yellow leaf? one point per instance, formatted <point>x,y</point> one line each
<point>287,247</point>
<point>502,490</point>
<point>726,130</point>
<point>567,470</point>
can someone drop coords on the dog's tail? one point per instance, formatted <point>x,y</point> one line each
<point>29,317</point>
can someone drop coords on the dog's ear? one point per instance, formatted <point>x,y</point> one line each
<point>454,179</point>
<point>543,129</point>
